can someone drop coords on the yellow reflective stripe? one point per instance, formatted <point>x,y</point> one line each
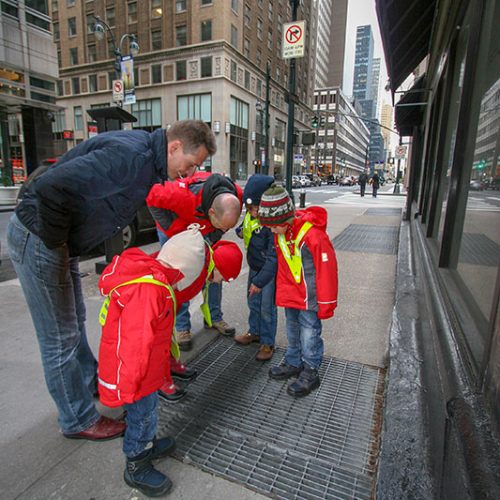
<point>294,261</point>
<point>249,226</point>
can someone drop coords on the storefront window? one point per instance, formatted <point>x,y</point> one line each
<point>238,151</point>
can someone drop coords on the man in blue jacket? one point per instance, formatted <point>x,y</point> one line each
<point>89,195</point>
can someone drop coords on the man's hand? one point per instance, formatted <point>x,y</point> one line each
<point>253,289</point>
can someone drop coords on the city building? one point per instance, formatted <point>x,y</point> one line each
<point>342,136</point>
<point>206,60</point>
<point>386,120</point>
<point>28,75</point>
<point>375,90</point>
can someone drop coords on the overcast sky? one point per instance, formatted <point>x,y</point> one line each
<point>361,12</point>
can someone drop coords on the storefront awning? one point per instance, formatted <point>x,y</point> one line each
<point>406,29</point>
<point>410,108</point>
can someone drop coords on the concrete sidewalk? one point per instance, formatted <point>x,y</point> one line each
<point>38,463</point>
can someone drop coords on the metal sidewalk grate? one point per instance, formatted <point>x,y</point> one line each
<point>383,211</point>
<point>367,238</point>
<point>238,423</point>
<point>477,248</point>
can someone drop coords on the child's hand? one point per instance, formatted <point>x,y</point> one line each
<point>253,289</point>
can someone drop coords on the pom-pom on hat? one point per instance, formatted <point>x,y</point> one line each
<point>227,259</point>
<point>186,252</point>
<point>275,207</point>
<point>255,187</point>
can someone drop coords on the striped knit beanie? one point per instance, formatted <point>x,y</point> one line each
<point>276,207</point>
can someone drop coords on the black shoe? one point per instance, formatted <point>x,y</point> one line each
<point>307,381</point>
<point>162,447</point>
<point>173,397</point>
<point>284,371</point>
<point>140,474</point>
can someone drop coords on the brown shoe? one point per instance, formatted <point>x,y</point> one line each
<point>103,430</point>
<point>265,353</point>
<point>222,327</point>
<point>185,340</point>
<point>246,338</point>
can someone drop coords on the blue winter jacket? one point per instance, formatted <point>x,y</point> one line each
<point>95,189</point>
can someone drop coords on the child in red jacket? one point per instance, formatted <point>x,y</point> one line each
<point>138,319</point>
<point>306,284</point>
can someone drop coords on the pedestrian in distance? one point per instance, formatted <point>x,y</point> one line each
<point>375,184</point>
<point>261,258</point>
<point>88,196</point>
<point>363,179</point>
<point>214,202</point>
<point>306,285</point>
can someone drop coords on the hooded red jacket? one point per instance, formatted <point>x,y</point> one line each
<point>134,351</point>
<point>317,290</point>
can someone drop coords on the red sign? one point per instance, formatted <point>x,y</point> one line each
<point>67,134</point>
<point>293,34</point>
<point>92,129</point>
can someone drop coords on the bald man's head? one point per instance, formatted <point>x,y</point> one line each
<point>225,211</point>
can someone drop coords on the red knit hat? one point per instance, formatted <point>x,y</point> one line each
<point>227,259</point>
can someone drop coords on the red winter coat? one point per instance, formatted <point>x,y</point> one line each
<point>135,345</point>
<point>317,290</point>
<point>175,205</point>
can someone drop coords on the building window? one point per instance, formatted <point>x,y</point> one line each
<point>148,114</point>
<point>111,77</point>
<point>234,5</point>
<point>73,56</point>
<point>92,83</point>
<point>233,71</point>
<point>60,88</point>
<point>70,3</point>
<point>132,12</point>
<point>248,15</point>
<point>180,5</point>
<point>57,35</point>
<point>206,30</point>
<point>72,26</point>
<point>90,23</point>
<point>238,147</point>
<point>206,2</point>
<point>92,53</point>
<point>180,70</point>
<point>9,9</point>
<point>195,107</point>
<point>258,57</point>
<point>247,80</point>
<point>156,9</point>
<point>156,73</point>
<point>206,67</point>
<point>156,42</point>
<point>180,35</point>
<point>259,29</point>
<point>78,113</point>
<point>246,48</point>
<point>234,36</point>
<point>54,6</point>
<point>110,16</point>
<point>270,11</point>
<point>270,39</point>
<point>75,85</point>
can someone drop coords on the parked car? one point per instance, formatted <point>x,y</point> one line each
<point>295,181</point>
<point>331,179</point>
<point>304,181</point>
<point>476,185</point>
<point>345,181</point>
<point>315,179</point>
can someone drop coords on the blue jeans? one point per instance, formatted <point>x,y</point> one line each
<point>142,420</point>
<point>183,318</point>
<point>305,345</point>
<point>263,317</point>
<point>51,283</point>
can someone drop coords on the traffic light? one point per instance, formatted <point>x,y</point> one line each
<point>314,122</point>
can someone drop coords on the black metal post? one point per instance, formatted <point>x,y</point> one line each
<point>265,166</point>
<point>291,109</point>
<point>397,187</point>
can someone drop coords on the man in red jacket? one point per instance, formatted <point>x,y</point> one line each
<point>306,284</point>
<point>214,202</point>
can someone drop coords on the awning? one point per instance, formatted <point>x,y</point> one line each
<point>406,29</point>
<point>410,108</point>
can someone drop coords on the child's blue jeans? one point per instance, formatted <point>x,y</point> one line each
<point>263,317</point>
<point>305,345</point>
<point>142,420</point>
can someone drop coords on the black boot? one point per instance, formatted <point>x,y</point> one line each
<point>307,381</point>
<point>283,371</point>
<point>140,474</point>
<point>162,447</point>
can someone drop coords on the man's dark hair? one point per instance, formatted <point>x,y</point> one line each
<point>193,134</point>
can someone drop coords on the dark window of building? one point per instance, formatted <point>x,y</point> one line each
<point>234,36</point>
<point>247,79</point>
<point>206,2</point>
<point>110,16</point>
<point>42,97</point>
<point>60,88</point>
<point>92,83</point>
<point>156,41</point>
<point>270,39</point>
<point>70,3</point>
<point>180,35</point>
<point>72,26</point>
<point>233,71</point>
<point>156,73</point>
<point>259,29</point>
<point>90,23</point>
<point>73,56</point>
<point>156,9</point>
<point>39,22</point>
<point>238,147</point>
<point>246,48</point>
<point>180,70</point>
<point>136,76</point>
<point>75,85</point>
<point>57,35</point>
<point>78,114</point>
<point>148,114</point>
<point>92,53</point>
<point>42,84</point>
<point>248,15</point>
<point>9,9</point>
<point>258,57</point>
<point>206,67</point>
<point>132,12</point>
<point>206,30</point>
<point>180,5</point>
<point>111,77</point>
<point>235,5</point>
<point>39,5</point>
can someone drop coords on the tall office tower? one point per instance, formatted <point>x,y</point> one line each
<point>375,90</point>
<point>330,46</point>
<point>387,121</point>
<point>28,75</point>
<point>363,58</point>
<point>203,59</point>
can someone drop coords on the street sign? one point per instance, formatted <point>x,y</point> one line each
<point>400,152</point>
<point>117,90</point>
<point>293,39</point>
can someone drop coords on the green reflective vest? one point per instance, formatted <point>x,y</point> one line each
<point>294,261</point>
<point>103,313</point>
<point>204,308</point>
<point>249,226</point>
